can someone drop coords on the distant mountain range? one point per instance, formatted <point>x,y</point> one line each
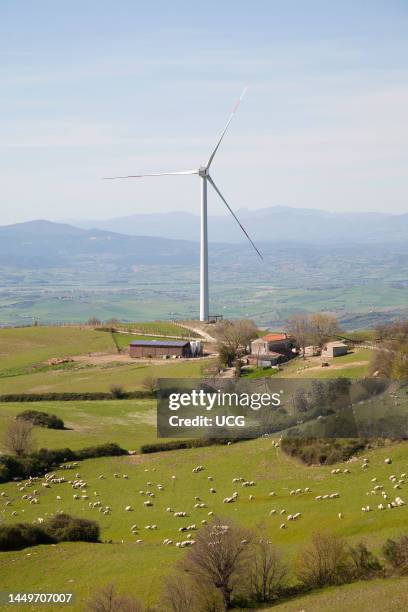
<point>274,224</point>
<point>51,245</point>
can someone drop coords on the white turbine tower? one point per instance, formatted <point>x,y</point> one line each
<point>204,173</point>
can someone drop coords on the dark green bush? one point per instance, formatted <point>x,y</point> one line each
<point>66,528</point>
<point>45,459</point>
<point>41,419</point>
<point>158,447</point>
<point>71,396</point>
<point>22,535</point>
<point>365,564</point>
<point>323,451</point>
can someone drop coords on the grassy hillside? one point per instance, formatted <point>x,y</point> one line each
<point>88,377</point>
<point>386,595</point>
<point>129,423</point>
<point>135,567</point>
<point>21,348</point>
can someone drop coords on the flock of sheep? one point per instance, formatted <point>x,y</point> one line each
<point>30,491</point>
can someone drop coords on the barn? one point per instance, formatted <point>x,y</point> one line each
<point>159,348</point>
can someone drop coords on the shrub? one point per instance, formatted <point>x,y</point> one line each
<point>326,561</point>
<point>108,600</point>
<point>150,384</point>
<point>65,528</point>
<point>396,553</point>
<point>365,564</point>
<point>22,535</point>
<point>45,459</point>
<point>118,391</point>
<point>41,419</point>
<point>323,451</point>
<point>268,574</point>
<point>226,355</point>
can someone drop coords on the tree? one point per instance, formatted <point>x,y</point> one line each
<point>94,321</point>
<point>236,334</point>
<point>220,557</point>
<point>150,384</point>
<point>18,438</point>
<point>298,326</point>
<point>299,401</point>
<point>317,394</point>
<point>108,600</point>
<point>323,327</point>
<point>325,561</point>
<point>226,355</point>
<point>268,573</point>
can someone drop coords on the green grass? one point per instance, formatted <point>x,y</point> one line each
<point>123,340</point>
<point>353,365</point>
<point>163,328</point>
<point>136,568</point>
<point>84,377</point>
<point>22,348</point>
<point>387,595</point>
<point>129,423</point>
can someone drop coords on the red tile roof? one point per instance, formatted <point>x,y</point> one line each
<point>274,337</point>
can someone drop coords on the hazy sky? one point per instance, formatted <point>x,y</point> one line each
<point>91,88</point>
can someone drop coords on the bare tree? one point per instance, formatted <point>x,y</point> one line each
<point>18,438</point>
<point>178,595</point>
<point>149,383</point>
<point>325,561</point>
<point>298,326</point>
<point>108,600</point>
<point>323,327</point>
<point>268,573</point>
<point>236,334</point>
<point>220,557</point>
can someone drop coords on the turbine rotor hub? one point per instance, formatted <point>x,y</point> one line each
<point>203,171</point>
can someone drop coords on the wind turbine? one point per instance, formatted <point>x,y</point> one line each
<point>204,173</point>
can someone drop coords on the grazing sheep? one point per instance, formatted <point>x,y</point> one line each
<point>212,490</point>
<point>147,503</point>
<point>251,497</point>
<point>340,516</point>
<point>388,460</point>
<point>130,509</point>
<point>228,500</point>
<point>282,526</point>
<point>210,513</point>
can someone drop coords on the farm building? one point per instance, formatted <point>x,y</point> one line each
<point>273,343</point>
<point>160,348</point>
<point>266,359</point>
<point>334,349</point>
<point>272,349</point>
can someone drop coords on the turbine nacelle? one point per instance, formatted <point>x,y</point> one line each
<point>203,171</point>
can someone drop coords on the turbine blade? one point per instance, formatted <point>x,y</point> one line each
<point>233,214</point>
<point>226,128</point>
<point>109,178</point>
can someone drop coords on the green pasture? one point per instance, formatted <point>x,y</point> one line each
<point>139,568</point>
<point>129,423</point>
<point>26,347</point>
